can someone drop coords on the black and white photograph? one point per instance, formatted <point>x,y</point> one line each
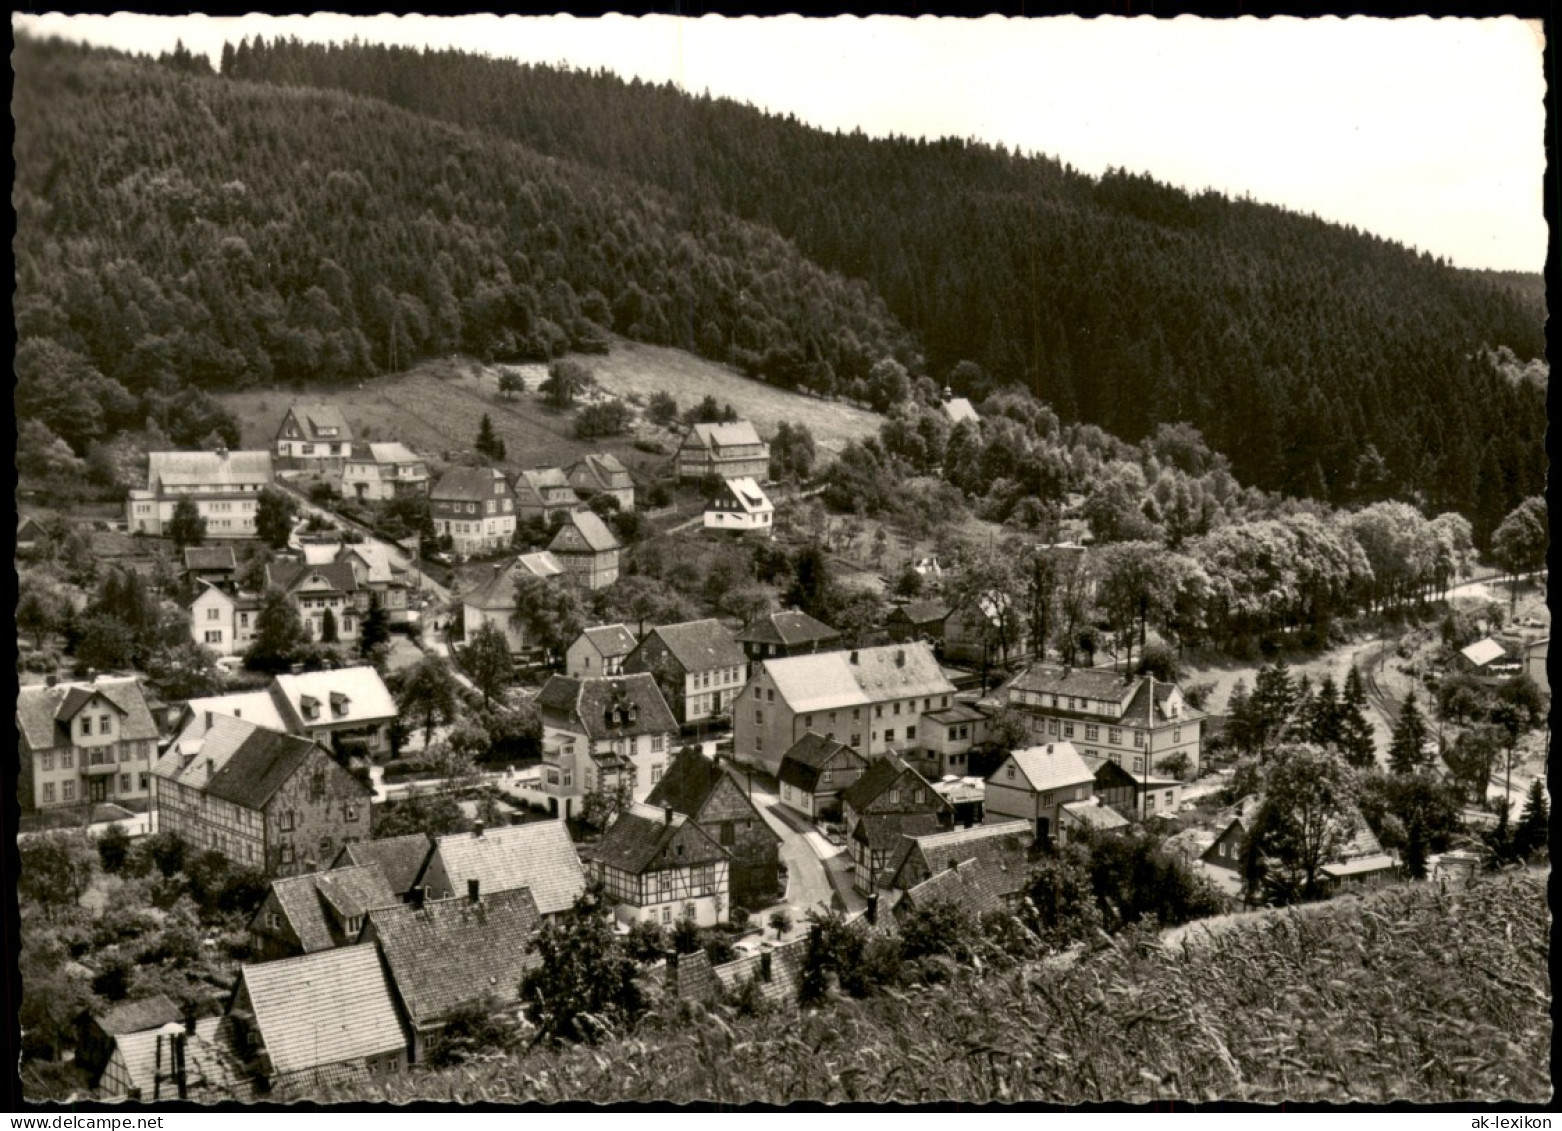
<point>780,561</point>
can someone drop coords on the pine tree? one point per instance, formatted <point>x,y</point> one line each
<point>328,630</point>
<point>1356,738</point>
<point>487,443</point>
<point>1415,852</point>
<point>1533,832</point>
<point>1324,715</point>
<point>375,629</point>
<point>1407,751</point>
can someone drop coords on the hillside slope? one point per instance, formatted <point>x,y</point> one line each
<point>1304,350</point>
<point>1414,993</point>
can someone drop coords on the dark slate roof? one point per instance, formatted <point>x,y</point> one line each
<point>400,858</point>
<point>593,531</point>
<point>879,776</point>
<point>452,952</point>
<point>209,557</point>
<point>695,979</point>
<point>789,627</point>
<point>923,612</point>
<point>882,832</point>
<point>1138,711</point>
<point>1086,683</point>
<point>470,485</point>
<point>39,710</point>
<point>966,885</point>
<point>1001,848</point>
<point>135,1016</point>
<point>315,416</point>
<point>259,767</point>
<point>786,968</point>
<point>539,856</point>
<point>587,703</point>
<point>701,645</point>
<point>687,784</point>
<point>308,902</point>
<point>286,575</point>
<point>808,756</point>
<point>610,639</point>
<point>637,838</point>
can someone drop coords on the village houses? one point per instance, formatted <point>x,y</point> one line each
<point>538,856</point>
<point>475,508</point>
<point>336,706</point>
<point>587,550</point>
<point>813,773</point>
<point>314,435</point>
<point>1107,717</point>
<point>658,866</point>
<point>740,506</point>
<point>543,492</point>
<point>729,451</point>
<point>599,651</point>
<point>317,911</point>
<point>917,620</point>
<point>375,574</point>
<point>216,564</point>
<point>890,800</point>
<point>700,668</point>
<point>601,473</point>
<point>225,487</point>
<point>701,790</point>
<point>326,596</point>
<point>84,743</point>
<point>872,699</point>
<point>379,472</point>
<point>267,801</point>
<point>603,733</point>
<point>1036,783</point>
<point>494,601</point>
<point>400,859</point>
<point>789,632</point>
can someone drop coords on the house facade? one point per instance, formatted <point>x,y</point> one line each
<point>475,508</point>
<point>871,699</point>
<point>704,792</point>
<point>946,739</point>
<point>790,632</point>
<point>698,665</point>
<point>814,772</point>
<point>1137,797</point>
<point>225,487</point>
<point>731,451</point>
<point>337,705</point>
<point>602,734</point>
<point>315,434</point>
<point>1034,784</point>
<point>84,743</point>
<point>917,620</point>
<point>375,574</point>
<point>741,507</point>
<point>587,550</point>
<point>658,866</point>
<point>888,802</point>
<point>216,564</point>
<point>267,801</point>
<point>493,602</point>
<point>317,911</point>
<point>599,651</point>
<point>543,492</point>
<point>326,596</point>
<point>601,473</point>
<point>379,472</point>
<point>1134,722</point>
<point>222,620</point>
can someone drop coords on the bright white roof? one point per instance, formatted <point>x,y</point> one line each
<point>818,682</point>
<point>368,697</point>
<point>1052,766</point>
<point>1483,652</point>
<point>749,496</point>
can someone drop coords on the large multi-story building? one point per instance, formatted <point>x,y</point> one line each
<point>698,665</point>
<point>872,699</point>
<point>658,866</point>
<point>603,734</point>
<point>82,743</point>
<point>475,508</point>
<point>225,487</point>
<point>267,801</point>
<point>326,596</point>
<point>731,451</point>
<point>1107,717</point>
<point>377,472</point>
<point>315,434</point>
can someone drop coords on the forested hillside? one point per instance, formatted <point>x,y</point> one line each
<point>1320,359</point>
<point>179,230</point>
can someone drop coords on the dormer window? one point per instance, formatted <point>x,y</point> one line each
<point>309,706</point>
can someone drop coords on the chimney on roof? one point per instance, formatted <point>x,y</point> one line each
<point>208,720</point>
<point>417,893</point>
<point>900,657</point>
<point>970,816</point>
<point>210,764</point>
<point>854,655</point>
<point>222,451</point>
<point>50,681</point>
<point>477,827</point>
<point>667,813</point>
<point>472,890</point>
<point>764,967</point>
<point>873,907</point>
<point>1049,748</point>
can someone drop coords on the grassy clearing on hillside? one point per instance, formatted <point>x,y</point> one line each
<point>1415,993</point>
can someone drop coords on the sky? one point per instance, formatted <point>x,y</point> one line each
<point>1429,132</point>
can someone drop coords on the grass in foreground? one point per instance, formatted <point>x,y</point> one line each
<point>1415,993</point>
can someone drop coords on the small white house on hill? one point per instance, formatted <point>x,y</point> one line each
<point>741,506</point>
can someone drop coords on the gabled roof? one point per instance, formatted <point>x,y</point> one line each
<point>375,557</point>
<point>687,783</point>
<point>260,766</point>
<point>291,575</point>
<point>1138,712</point>
<point>735,434</point>
<point>966,884</point>
<point>256,707</point>
<point>808,757</point>
<point>539,480</point>
<point>1086,683</point>
<point>786,967</point>
<point>212,1069</point>
<point>1053,766</point>
<point>1110,775</point>
<point>137,1016</point>
<point>29,528</point>
<point>212,470</point>
<point>400,859</point>
<point>826,680</point>
<point>816,682</point>
<point>317,419</point>
<point>309,901</point>
<point>452,952</point>
<point>900,671</point>
<point>610,640</point>
<point>750,499</point>
<point>323,1008</point>
<point>593,531</point>
<point>607,706</point>
<point>641,836</point>
<point>470,485</point>
<point>1095,814</point>
<point>40,722</point>
<point>882,832</point>
<point>1001,847</point>
<point>923,612</point>
<point>209,558</point>
<point>700,645</point>
<point>880,775</point>
<point>790,627</point>
<point>539,856</point>
<point>1483,652</point>
<point>603,468</point>
<point>695,978</point>
<point>381,453</point>
<point>346,696</point>
<point>959,409</point>
<point>498,592</point>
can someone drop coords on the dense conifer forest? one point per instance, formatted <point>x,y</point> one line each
<point>180,227</point>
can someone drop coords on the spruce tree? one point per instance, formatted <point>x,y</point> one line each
<point>1324,715</point>
<point>1356,739</point>
<point>487,443</point>
<point>375,629</point>
<point>1407,751</point>
<point>1533,832</point>
<point>1415,852</point>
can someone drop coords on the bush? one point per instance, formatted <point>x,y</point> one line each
<point>606,418</point>
<point>113,849</point>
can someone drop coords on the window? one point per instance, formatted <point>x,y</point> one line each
<point>689,911</point>
<point>1114,734</point>
<point>349,812</point>
<point>1138,738</point>
<point>757,693</point>
<point>48,760</point>
<point>857,739</point>
<point>1046,798</point>
<point>325,847</point>
<point>1149,803</point>
<point>894,797</point>
<point>770,695</point>
<point>878,712</point>
<point>667,915</point>
<point>656,774</point>
<point>889,734</point>
<point>124,783</point>
<point>1052,726</point>
<point>285,820</point>
<point>124,752</point>
<point>897,708</point>
<point>144,778</point>
<point>856,713</point>
<point>214,636</point>
<point>1070,702</point>
<point>48,792</point>
<point>1068,730</point>
<point>927,704</point>
<point>1009,772</point>
<point>729,834</point>
<point>911,734</point>
<point>1176,734</point>
<point>68,791</point>
<point>951,734</point>
<point>808,721</point>
<point>1138,764</point>
<point>86,724</point>
<point>1092,733</point>
<point>68,759</point>
<point>213,614</point>
<point>759,718</point>
<point>317,785</point>
<point>825,776</point>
